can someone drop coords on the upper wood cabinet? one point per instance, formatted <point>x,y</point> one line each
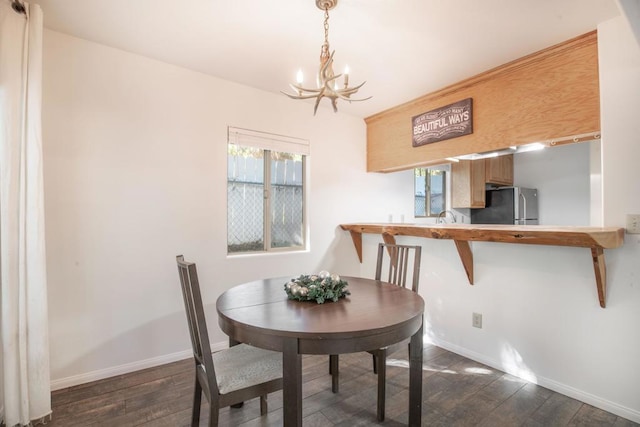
<point>467,184</point>
<point>499,170</point>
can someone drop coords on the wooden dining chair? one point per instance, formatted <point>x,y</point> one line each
<point>227,377</point>
<point>401,260</point>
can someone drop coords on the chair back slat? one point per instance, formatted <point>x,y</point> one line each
<point>399,264</point>
<point>196,320</point>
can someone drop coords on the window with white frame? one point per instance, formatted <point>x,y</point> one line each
<point>265,192</point>
<point>430,190</point>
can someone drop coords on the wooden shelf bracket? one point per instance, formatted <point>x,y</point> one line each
<point>600,269</point>
<point>466,256</point>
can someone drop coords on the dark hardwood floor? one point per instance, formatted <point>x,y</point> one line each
<point>456,392</point>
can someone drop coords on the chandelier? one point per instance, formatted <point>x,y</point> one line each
<point>327,83</point>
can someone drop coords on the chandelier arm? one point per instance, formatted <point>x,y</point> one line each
<point>337,76</point>
<point>356,87</point>
<point>327,85</point>
<point>346,98</point>
<point>298,96</point>
<point>349,90</point>
<point>299,88</point>
<point>315,107</point>
<point>334,105</point>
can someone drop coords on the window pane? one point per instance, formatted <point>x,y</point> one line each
<point>245,199</point>
<point>437,196</point>
<point>420,191</point>
<point>430,193</point>
<point>287,220</point>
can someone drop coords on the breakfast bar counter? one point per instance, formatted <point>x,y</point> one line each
<point>595,238</point>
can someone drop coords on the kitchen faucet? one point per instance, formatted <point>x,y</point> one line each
<point>442,217</point>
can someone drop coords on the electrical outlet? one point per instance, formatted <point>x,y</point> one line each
<point>633,224</point>
<point>476,320</point>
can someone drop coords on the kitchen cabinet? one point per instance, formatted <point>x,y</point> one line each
<point>499,170</point>
<point>467,184</point>
<point>468,179</point>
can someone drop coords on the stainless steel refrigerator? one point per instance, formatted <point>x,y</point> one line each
<point>508,205</point>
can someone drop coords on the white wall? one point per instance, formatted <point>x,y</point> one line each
<point>619,54</point>
<point>562,176</point>
<point>135,174</point>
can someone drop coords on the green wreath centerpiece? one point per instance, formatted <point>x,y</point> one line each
<point>320,287</point>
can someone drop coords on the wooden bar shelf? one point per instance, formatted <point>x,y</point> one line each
<point>595,238</point>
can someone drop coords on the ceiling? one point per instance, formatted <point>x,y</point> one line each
<point>402,48</point>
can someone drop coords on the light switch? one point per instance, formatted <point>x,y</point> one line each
<point>633,223</point>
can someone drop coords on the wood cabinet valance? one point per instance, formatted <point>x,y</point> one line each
<point>553,93</point>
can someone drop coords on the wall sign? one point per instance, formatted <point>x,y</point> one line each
<point>450,121</point>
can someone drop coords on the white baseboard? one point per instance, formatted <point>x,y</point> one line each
<point>572,392</point>
<point>127,368</point>
<point>580,395</point>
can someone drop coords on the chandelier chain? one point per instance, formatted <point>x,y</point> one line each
<point>326,25</point>
<point>324,51</point>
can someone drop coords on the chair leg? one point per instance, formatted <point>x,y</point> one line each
<point>197,398</point>
<point>263,405</point>
<point>213,414</point>
<point>382,377</point>
<point>334,369</point>
<point>375,364</point>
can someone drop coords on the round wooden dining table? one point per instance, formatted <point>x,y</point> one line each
<point>375,315</point>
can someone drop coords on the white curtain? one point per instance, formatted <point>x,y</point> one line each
<point>24,341</point>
